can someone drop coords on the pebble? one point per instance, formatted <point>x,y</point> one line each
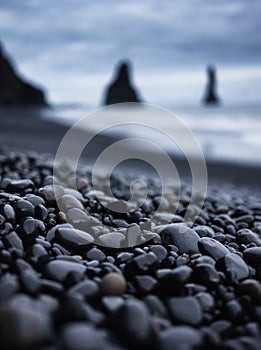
<point>246,236</point>
<point>112,303</point>
<point>23,328</point>
<point>14,241</point>
<point>184,238</point>
<point>145,284</point>
<point>185,310</point>
<point>172,282</point>
<point>234,266</point>
<point>51,193</point>
<point>204,231</point>
<point>68,201</point>
<point>159,251</point>
<point>112,240</point>
<point>58,270</point>
<point>252,288</point>
<point>155,305</point>
<point>73,238</point>
<point>95,254</point>
<point>206,301</point>
<point>187,288</point>
<point>81,336</point>
<point>18,186</point>
<point>252,256</point>
<point>23,208</point>
<point>131,323</point>
<point>9,286</point>
<point>205,274</point>
<point>113,284</point>
<point>9,213</point>
<point>88,288</point>
<point>212,248</point>
<point>180,338</point>
<point>30,281</point>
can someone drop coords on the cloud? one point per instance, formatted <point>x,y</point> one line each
<point>86,38</point>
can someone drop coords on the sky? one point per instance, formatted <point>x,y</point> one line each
<point>70,47</point>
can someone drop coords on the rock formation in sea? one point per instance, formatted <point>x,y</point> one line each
<point>211,96</point>
<point>14,91</point>
<point>121,89</point>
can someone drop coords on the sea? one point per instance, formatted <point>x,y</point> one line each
<point>224,133</point>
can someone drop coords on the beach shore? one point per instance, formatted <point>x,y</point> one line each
<point>76,270</point>
<point>27,130</point>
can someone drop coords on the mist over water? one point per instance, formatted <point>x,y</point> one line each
<point>230,133</point>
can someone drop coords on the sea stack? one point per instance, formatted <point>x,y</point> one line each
<point>121,88</point>
<point>14,91</point>
<point>211,97</point>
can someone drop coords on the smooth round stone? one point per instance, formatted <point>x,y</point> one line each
<point>112,303</point>
<point>242,343</point>
<point>30,228</point>
<point>252,288</point>
<point>123,257</point>
<point>81,336</point>
<point>185,310</point>
<point>119,206</point>
<point>51,287</point>
<point>35,200</point>
<point>234,266</point>
<point>51,193</point>
<point>246,236</point>
<point>204,231</point>
<point>95,254</point>
<point>13,240</point>
<point>205,259</point>
<point>133,234</point>
<point>50,237</point>
<point>213,248</point>
<point>74,193</point>
<point>221,326</point>
<point>73,238</point>
<point>78,218</point>
<point>88,288</point>
<point>59,269</point>
<point>113,284</point>
<point>252,256</point>
<point>17,186</point>
<point>145,284</point>
<point>68,201</point>
<point>180,338</point>
<point>9,213</point>
<point>41,212</point>
<point>172,282</point>
<point>155,305</point>
<point>131,324</point>
<point>184,238</point>
<point>9,286</point>
<point>23,208</point>
<point>23,328</point>
<point>30,281</point>
<point>141,264</point>
<point>112,240</point>
<point>205,274</point>
<point>233,310</point>
<point>159,251</point>
<point>206,301</point>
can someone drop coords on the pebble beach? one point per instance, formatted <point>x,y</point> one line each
<point>63,287</point>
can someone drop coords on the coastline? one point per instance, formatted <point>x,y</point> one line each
<point>26,130</point>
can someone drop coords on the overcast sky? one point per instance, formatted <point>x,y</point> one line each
<point>71,46</point>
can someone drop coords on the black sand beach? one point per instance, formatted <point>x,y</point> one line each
<point>77,275</point>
